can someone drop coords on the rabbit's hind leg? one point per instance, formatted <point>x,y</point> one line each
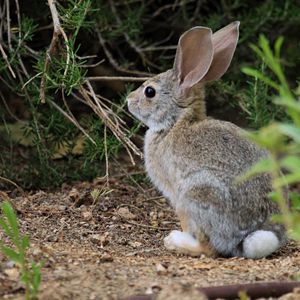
<point>183,242</point>
<point>260,243</point>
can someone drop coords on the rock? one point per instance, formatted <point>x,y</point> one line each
<point>13,274</point>
<point>87,215</point>
<point>160,269</point>
<point>106,258</point>
<point>125,213</point>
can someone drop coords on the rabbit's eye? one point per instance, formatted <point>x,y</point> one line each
<point>149,92</point>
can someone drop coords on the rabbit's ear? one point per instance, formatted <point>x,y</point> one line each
<point>193,56</point>
<point>224,44</point>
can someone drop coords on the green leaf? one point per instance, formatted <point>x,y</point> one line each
<point>36,278</point>
<point>287,179</point>
<point>11,254</point>
<point>277,47</point>
<point>265,46</point>
<point>262,166</point>
<point>259,75</point>
<point>277,218</point>
<point>291,163</point>
<point>25,276</point>
<point>5,227</point>
<point>12,220</point>
<point>295,105</point>
<point>258,51</point>
<point>294,233</point>
<point>273,196</point>
<point>25,242</point>
<point>295,201</point>
<point>290,130</point>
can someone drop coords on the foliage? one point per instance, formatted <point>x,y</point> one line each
<point>30,271</point>
<point>281,139</point>
<point>134,39</point>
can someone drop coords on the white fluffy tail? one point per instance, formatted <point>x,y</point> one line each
<point>259,244</point>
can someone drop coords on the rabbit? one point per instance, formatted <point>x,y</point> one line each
<point>194,160</point>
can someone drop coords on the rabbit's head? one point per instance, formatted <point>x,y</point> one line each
<point>200,57</point>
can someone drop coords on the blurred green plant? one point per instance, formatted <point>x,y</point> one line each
<point>30,271</point>
<point>257,103</point>
<point>281,139</point>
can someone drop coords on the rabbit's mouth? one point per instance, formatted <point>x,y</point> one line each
<point>134,108</point>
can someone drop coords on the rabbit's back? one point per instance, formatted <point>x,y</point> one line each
<point>214,144</point>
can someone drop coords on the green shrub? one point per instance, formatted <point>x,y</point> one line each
<point>281,139</point>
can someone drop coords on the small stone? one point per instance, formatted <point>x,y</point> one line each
<point>13,273</point>
<point>10,264</point>
<point>74,194</point>
<point>106,258</point>
<point>62,207</point>
<point>125,213</point>
<point>100,239</point>
<point>160,269</point>
<point>87,215</point>
<point>135,244</point>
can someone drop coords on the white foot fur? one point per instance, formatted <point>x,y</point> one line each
<point>260,243</point>
<point>182,242</point>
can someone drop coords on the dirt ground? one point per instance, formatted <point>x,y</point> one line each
<point>102,241</point>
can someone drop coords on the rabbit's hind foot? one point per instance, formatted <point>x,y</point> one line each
<point>183,242</point>
<point>259,244</point>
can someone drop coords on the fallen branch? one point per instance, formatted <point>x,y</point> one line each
<point>14,184</point>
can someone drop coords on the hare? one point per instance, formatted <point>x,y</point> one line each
<point>194,160</point>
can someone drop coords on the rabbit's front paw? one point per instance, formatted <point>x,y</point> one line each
<point>182,242</point>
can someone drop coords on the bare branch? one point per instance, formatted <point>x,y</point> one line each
<point>110,120</point>
<point>14,184</point>
<point>131,43</point>
<point>121,78</point>
<point>72,120</point>
<point>113,62</point>
<point>8,109</point>
<point>159,48</point>
<point>8,25</point>
<point>7,62</point>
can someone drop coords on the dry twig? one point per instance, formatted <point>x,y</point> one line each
<point>110,119</point>
<point>130,42</point>
<point>113,62</point>
<point>7,62</point>
<point>8,25</point>
<point>14,184</point>
<point>121,78</point>
<point>73,120</point>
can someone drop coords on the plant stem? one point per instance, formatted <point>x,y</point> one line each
<point>281,200</point>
